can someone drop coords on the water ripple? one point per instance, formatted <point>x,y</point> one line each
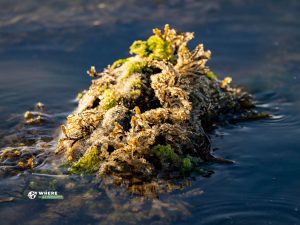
<point>250,211</point>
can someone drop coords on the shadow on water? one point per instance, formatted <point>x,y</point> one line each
<point>45,50</point>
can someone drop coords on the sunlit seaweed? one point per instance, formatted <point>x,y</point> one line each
<point>148,114</point>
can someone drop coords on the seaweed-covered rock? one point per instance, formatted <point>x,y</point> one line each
<point>150,112</point>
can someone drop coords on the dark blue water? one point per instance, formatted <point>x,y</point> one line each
<point>45,49</point>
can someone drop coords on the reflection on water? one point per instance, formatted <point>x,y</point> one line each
<point>45,50</point>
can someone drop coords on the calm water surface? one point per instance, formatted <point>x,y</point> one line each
<point>45,50</point>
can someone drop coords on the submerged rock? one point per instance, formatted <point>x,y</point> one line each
<point>150,113</point>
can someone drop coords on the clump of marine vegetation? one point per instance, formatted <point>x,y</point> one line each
<point>149,114</point>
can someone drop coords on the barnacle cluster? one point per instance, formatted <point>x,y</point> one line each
<point>149,113</point>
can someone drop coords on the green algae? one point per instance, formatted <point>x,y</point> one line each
<point>164,153</point>
<point>102,89</point>
<point>119,63</point>
<point>109,99</point>
<point>137,67</point>
<point>137,84</point>
<point>186,164</point>
<point>211,75</point>
<point>155,48</point>
<point>88,163</point>
<point>135,93</point>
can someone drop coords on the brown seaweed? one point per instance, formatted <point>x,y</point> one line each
<point>149,113</point>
